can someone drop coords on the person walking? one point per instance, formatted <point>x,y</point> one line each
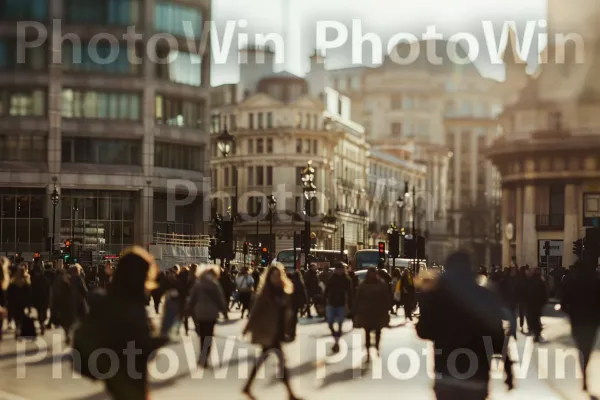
<point>183,290</point>
<point>338,297</point>
<point>206,301</point>
<point>40,295</point>
<point>299,299</point>
<point>18,297</point>
<point>270,323</point>
<point>371,308</point>
<point>4,282</point>
<point>408,296</point>
<point>537,297</point>
<point>522,296</point>
<point>581,301</point>
<point>311,281</point>
<point>245,286</point>
<point>396,290</point>
<point>456,315</point>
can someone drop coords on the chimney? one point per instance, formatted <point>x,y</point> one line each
<point>256,63</point>
<point>317,77</point>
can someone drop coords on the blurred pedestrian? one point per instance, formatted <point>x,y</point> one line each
<point>536,299</point>
<point>18,297</point>
<point>408,296</point>
<point>245,286</point>
<point>270,322</point>
<point>338,297</point>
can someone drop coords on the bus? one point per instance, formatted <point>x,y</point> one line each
<point>323,258</point>
<point>366,258</point>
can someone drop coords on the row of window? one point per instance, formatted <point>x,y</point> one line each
<point>177,19</point>
<point>24,10</point>
<point>306,146</point>
<point>102,105</point>
<point>103,12</point>
<point>101,151</point>
<point>178,156</point>
<point>22,102</point>
<point>178,112</point>
<point>31,58</point>
<point>262,121</point>
<point>23,148</point>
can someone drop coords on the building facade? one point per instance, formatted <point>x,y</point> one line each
<point>447,113</point>
<point>113,132</point>
<point>548,152</point>
<point>278,127</point>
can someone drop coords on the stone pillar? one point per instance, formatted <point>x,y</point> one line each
<point>571,224</point>
<point>530,244</point>
<point>54,98</point>
<point>506,198</point>
<point>519,225</point>
<point>148,97</point>
<point>474,163</point>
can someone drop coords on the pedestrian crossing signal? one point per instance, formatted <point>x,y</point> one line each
<point>265,256</point>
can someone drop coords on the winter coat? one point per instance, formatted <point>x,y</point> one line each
<point>40,290</point>
<point>537,294</point>
<point>299,298</point>
<point>509,291</point>
<point>338,292</point>
<point>207,300</point>
<point>311,281</point>
<point>372,304</point>
<point>581,297</point>
<point>18,298</point>
<point>271,321</point>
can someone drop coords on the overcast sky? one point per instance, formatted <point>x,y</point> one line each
<point>297,21</point>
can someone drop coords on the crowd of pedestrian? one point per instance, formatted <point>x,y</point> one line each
<point>456,309</point>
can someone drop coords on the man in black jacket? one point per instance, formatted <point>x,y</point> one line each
<point>464,322</point>
<point>311,280</point>
<point>338,295</point>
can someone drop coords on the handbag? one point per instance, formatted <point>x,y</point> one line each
<point>28,328</point>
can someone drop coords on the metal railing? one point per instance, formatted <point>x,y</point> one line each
<point>550,221</point>
<point>176,239</point>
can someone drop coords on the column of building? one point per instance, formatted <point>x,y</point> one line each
<point>530,244</point>
<point>506,199</point>
<point>571,223</point>
<point>519,225</point>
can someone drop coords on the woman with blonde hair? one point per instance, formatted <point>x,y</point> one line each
<point>205,302</point>
<point>18,296</point>
<point>270,322</point>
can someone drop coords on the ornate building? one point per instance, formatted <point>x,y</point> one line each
<point>548,154</point>
<point>278,127</point>
<point>109,135</point>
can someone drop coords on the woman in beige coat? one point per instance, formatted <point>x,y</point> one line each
<point>270,322</point>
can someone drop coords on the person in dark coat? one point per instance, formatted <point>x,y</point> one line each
<point>408,294</point>
<point>18,296</point>
<point>205,303</point>
<point>62,307</point>
<point>158,293</point>
<point>270,323</point>
<point>522,296</point>
<point>509,292</point>
<point>581,301</point>
<point>339,297</point>
<point>299,298</point>
<point>458,315</point>
<point>183,289</point>
<point>40,295</point>
<point>79,290</point>
<point>311,281</point>
<point>371,308</point>
<point>127,321</point>
<point>537,297</point>
<point>227,285</point>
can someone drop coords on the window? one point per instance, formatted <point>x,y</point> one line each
<point>181,113</point>
<point>101,105</point>
<point>307,121</point>
<point>260,179</point>
<point>20,10</point>
<point>250,176</point>
<point>269,120</point>
<point>270,145</point>
<point>23,103</point>
<point>24,148</point>
<point>179,156</point>
<point>298,146</point>
<point>299,120</point>
<point>260,121</point>
<point>184,68</point>
<point>307,146</point>
<point>407,103</point>
<point>250,146</point>
<point>465,108</point>
<point>259,146</point>
<point>396,129</point>
<point>555,121</point>
<point>315,148</point>
<point>34,57</point>
<point>269,175</point>
<point>101,151</point>
<point>226,176</point>
<point>250,121</point>
<point>99,58</point>
<point>215,123</point>
<point>396,102</point>
<point>299,175</point>
<point>232,122</point>
<point>103,12</point>
<point>177,19</point>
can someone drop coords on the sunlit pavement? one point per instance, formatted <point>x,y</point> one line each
<point>403,369</point>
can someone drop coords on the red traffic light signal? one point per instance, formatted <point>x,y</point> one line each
<point>265,250</point>
<point>36,255</point>
<point>381,248</point>
<point>67,243</point>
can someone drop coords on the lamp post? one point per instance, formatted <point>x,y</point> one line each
<point>310,190</point>
<point>55,199</point>
<point>225,143</point>
<point>272,209</point>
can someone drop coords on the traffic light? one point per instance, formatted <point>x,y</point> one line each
<point>245,250</point>
<point>265,256</point>
<point>394,239</point>
<point>212,249</point>
<point>578,248</point>
<point>381,254</point>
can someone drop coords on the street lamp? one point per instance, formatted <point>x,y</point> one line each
<point>55,199</point>
<point>272,208</point>
<point>401,203</point>
<point>310,191</point>
<point>225,142</point>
